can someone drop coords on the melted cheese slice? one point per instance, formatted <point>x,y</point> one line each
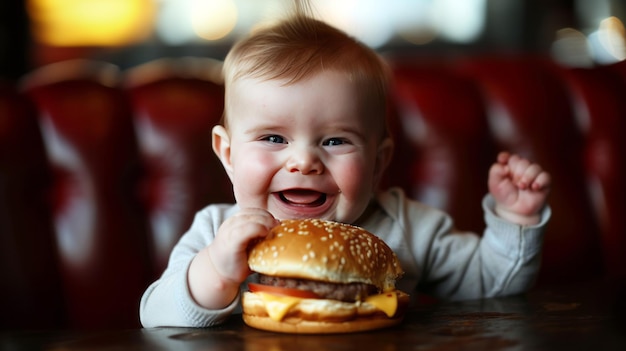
<point>386,302</point>
<point>278,306</point>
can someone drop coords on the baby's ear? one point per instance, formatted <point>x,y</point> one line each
<point>221,147</point>
<point>384,153</point>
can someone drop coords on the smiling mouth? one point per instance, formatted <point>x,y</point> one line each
<point>302,197</point>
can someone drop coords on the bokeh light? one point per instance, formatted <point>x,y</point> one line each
<point>91,22</point>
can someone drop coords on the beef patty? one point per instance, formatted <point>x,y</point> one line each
<point>336,291</point>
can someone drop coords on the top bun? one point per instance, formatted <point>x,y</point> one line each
<point>326,251</point>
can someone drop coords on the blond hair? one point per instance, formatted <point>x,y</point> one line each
<point>300,46</point>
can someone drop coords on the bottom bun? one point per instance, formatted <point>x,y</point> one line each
<point>300,326</point>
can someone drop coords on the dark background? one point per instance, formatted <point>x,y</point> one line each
<point>512,25</point>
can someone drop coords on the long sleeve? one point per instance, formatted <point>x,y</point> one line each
<point>455,265</point>
<point>167,301</point>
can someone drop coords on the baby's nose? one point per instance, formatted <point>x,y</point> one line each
<point>305,161</point>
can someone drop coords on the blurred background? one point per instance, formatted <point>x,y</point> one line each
<point>130,32</point>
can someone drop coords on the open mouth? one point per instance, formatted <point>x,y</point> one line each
<point>302,197</point>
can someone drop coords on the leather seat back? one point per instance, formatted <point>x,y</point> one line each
<point>530,113</point>
<point>101,233</point>
<point>176,103</point>
<point>30,289</point>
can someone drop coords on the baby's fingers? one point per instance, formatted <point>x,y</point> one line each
<point>541,182</point>
<point>526,173</point>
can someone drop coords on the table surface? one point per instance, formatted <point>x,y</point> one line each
<point>589,317</point>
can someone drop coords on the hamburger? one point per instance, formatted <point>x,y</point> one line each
<point>317,276</point>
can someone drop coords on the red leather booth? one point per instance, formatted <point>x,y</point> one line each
<point>102,170</point>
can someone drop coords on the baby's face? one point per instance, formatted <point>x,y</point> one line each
<point>302,150</point>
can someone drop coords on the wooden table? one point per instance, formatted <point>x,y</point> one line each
<point>582,317</point>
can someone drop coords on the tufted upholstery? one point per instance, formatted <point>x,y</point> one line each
<point>101,170</point>
<point>176,104</point>
<point>100,228</point>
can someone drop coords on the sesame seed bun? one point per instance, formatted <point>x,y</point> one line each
<point>328,252</point>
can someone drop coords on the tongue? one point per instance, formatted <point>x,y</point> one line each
<point>302,197</point>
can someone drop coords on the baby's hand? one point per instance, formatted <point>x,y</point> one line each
<point>217,271</point>
<point>519,187</point>
<point>229,250</point>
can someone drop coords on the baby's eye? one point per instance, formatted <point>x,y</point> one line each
<point>334,142</point>
<point>276,139</point>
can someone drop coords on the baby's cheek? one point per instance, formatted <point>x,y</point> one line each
<point>252,175</point>
<point>356,185</point>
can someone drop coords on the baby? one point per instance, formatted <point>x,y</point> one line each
<point>304,136</point>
